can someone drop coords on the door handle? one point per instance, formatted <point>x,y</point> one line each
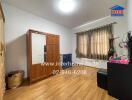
<point>1,48</point>
<point>1,54</point>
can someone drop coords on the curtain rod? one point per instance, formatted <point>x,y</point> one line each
<point>98,27</point>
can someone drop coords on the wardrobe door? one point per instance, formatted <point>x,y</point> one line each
<point>56,52</point>
<point>53,52</point>
<point>36,55</point>
<point>49,60</point>
<point>2,57</point>
<point>34,72</point>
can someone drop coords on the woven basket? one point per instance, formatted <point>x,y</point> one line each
<point>15,79</point>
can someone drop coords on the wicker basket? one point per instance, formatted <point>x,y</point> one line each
<point>15,79</point>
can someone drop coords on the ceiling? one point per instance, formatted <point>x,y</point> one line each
<point>87,10</point>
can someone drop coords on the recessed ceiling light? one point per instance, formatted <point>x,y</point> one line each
<point>67,6</point>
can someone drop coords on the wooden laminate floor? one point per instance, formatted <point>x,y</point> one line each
<point>62,87</point>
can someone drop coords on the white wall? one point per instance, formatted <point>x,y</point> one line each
<point>130,15</point>
<point>119,30</point>
<point>17,24</point>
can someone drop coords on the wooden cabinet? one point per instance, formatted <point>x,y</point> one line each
<point>39,71</point>
<point>119,80</point>
<point>2,55</point>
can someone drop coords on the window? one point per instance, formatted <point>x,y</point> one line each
<point>94,44</point>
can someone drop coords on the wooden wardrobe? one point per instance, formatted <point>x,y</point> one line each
<point>51,51</point>
<point>2,55</point>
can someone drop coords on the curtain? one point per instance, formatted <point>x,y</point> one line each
<point>94,44</point>
<point>82,44</point>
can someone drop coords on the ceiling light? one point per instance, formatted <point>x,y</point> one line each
<point>66,6</point>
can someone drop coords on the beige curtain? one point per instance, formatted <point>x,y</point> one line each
<point>94,44</point>
<point>82,44</point>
